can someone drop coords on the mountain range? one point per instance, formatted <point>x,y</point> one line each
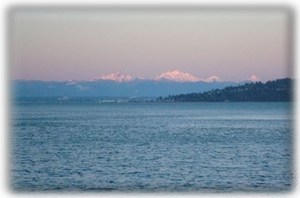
<point>122,85</point>
<point>175,75</point>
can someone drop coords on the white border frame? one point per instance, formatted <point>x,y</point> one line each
<point>4,108</point>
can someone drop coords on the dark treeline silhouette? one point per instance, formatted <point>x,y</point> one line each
<point>272,91</point>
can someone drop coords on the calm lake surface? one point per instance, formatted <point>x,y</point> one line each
<point>205,147</point>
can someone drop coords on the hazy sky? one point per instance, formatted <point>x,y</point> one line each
<point>81,44</point>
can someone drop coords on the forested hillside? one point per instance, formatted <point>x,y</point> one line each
<point>279,90</point>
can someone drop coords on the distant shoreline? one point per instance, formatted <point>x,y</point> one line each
<point>112,101</point>
<point>279,90</point>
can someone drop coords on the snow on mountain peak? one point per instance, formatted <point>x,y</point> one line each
<point>254,78</point>
<point>117,77</point>
<point>174,75</point>
<point>213,79</point>
<point>177,76</point>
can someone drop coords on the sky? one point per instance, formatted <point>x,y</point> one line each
<point>83,43</point>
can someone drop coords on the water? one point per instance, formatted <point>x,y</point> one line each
<point>206,147</point>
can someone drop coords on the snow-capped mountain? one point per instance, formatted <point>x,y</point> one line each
<point>213,79</point>
<point>254,78</point>
<point>123,85</point>
<point>177,76</point>
<point>117,77</point>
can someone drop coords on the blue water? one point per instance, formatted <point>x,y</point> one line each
<point>206,147</point>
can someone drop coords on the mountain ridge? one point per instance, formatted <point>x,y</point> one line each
<point>172,75</point>
<point>177,76</point>
<point>136,88</point>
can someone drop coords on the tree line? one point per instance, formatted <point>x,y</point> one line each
<point>279,90</point>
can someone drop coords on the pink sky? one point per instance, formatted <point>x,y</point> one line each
<point>81,44</point>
